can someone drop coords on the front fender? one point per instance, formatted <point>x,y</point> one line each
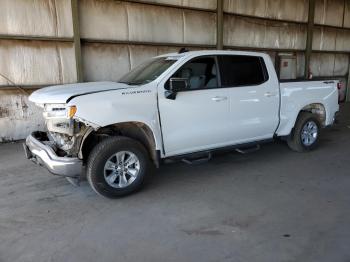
<point>114,107</point>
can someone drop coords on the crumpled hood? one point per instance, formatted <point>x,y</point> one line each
<point>60,94</point>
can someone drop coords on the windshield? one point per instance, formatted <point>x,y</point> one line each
<point>148,71</point>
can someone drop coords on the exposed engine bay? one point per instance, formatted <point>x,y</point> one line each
<point>66,134</point>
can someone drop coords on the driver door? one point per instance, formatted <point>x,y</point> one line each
<point>198,118</point>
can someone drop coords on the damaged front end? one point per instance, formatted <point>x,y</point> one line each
<point>58,148</point>
<point>66,135</point>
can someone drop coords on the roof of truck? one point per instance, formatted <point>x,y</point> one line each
<point>212,52</point>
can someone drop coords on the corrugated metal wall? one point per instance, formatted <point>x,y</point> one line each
<point>38,47</point>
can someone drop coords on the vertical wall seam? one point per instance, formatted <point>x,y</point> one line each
<point>335,40</point>
<point>55,17</point>
<point>77,40</point>
<point>60,64</point>
<point>57,49</point>
<point>321,39</point>
<point>344,6</point>
<point>325,4</point>
<point>335,57</point>
<point>126,6</point>
<point>309,36</point>
<point>183,22</point>
<point>219,24</point>
<point>129,57</point>
<point>183,26</point>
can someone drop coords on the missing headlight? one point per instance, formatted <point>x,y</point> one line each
<point>63,126</point>
<point>62,141</point>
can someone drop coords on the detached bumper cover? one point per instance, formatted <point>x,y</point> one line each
<point>44,155</point>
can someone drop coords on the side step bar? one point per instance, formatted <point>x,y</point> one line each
<point>248,149</point>
<point>205,156</point>
<point>193,161</point>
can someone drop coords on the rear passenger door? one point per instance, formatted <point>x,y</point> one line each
<point>254,100</point>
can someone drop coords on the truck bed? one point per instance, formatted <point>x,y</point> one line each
<point>302,94</point>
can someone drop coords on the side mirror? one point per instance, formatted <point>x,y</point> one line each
<point>176,85</point>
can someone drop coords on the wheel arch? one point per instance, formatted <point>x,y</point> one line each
<point>317,109</point>
<point>289,120</point>
<point>135,130</point>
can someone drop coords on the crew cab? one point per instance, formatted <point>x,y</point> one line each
<point>175,106</point>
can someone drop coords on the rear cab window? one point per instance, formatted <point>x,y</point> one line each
<point>242,70</point>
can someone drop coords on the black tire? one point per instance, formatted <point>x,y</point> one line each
<point>295,140</point>
<point>103,152</point>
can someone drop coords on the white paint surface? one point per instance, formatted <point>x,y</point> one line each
<point>195,121</point>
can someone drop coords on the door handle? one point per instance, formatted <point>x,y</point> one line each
<point>268,94</point>
<point>219,98</point>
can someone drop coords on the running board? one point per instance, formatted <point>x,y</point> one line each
<point>248,150</point>
<point>194,161</point>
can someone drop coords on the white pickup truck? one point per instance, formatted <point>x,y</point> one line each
<point>176,106</point>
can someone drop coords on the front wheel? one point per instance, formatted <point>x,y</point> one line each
<point>306,133</point>
<point>117,166</point>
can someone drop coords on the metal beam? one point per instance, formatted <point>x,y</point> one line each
<point>36,38</point>
<point>77,41</point>
<point>346,29</point>
<point>330,52</point>
<point>220,24</point>
<point>262,49</point>
<point>25,87</point>
<point>266,19</point>
<point>157,4</point>
<point>122,42</point>
<point>309,37</point>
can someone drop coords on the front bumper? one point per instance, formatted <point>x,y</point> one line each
<point>43,155</point>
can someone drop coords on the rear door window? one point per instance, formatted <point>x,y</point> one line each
<point>237,70</point>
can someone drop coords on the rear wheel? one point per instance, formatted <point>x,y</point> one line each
<point>117,167</point>
<point>305,134</point>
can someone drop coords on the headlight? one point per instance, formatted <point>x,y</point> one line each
<point>59,111</point>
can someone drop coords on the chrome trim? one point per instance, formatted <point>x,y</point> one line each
<point>45,156</point>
